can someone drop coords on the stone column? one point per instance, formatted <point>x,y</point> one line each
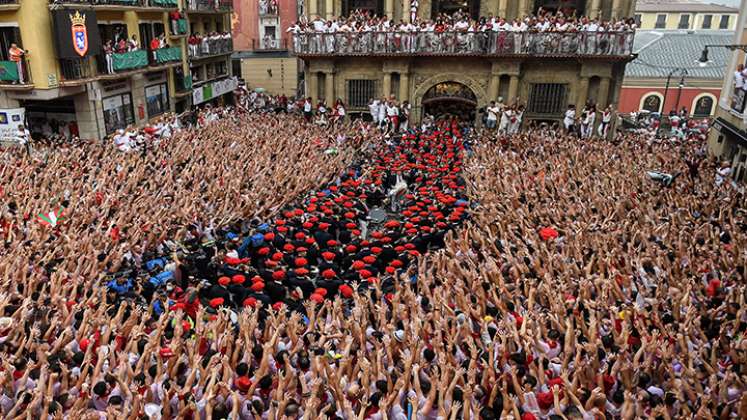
<point>313,10</point>
<point>313,87</point>
<point>513,89</point>
<point>389,8</point>
<point>615,13</point>
<point>583,92</point>
<point>524,8</point>
<point>604,92</point>
<point>386,89</point>
<point>329,87</point>
<point>493,85</point>
<point>406,10</point>
<point>404,87</point>
<point>596,9</point>
<point>329,9</point>
<point>502,8</point>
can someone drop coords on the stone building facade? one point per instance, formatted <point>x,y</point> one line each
<point>544,72</point>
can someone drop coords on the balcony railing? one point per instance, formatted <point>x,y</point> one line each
<point>269,44</point>
<point>170,4</point>
<point>77,68</point>
<point>168,55</point>
<point>15,73</point>
<point>208,47</point>
<point>126,61</point>
<point>210,5</point>
<point>547,44</point>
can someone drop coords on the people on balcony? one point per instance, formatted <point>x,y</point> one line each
<point>17,55</point>
<point>209,44</point>
<point>362,32</point>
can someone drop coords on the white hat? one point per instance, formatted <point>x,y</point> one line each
<point>6,322</point>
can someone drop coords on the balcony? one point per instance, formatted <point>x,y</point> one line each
<point>168,55</point>
<point>127,61</point>
<point>76,71</point>
<point>14,76</point>
<point>609,45</point>
<point>269,44</point>
<point>9,4</point>
<point>210,48</point>
<point>116,4</point>
<point>268,8</point>
<point>210,6</point>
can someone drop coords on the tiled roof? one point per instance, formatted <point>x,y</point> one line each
<point>661,51</point>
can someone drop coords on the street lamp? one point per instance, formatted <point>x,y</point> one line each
<point>703,60</point>
<point>682,72</point>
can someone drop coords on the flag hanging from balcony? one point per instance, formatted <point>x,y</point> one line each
<point>76,33</point>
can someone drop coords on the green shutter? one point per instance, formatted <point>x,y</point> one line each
<point>8,71</point>
<point>130,60</point>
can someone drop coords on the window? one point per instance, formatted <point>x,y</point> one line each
<point>118,112</point>
<point>661,21</point>
<point>9,36</point>
<point>684,22</point>
<point>270,31</point>
<point>707,21</point>
<point>360,92</point>
<point>547,99</point>
<point>157,99</point>
<point>724,23</point>
<point>651,103</point>
<point>703,107</point>
<point>637,19</point>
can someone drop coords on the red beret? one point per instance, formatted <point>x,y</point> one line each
<point>238,279</point>
<point>346,290</point>
<point>369,259</point>
<point>288,247</point>
<point>397,264</point>
<point>216,302</point>
<point>301,271</point>
<point>280,222</point>
<point>376,235</point>
<point>409,246</point>
<point>349,215</point>
<point>308,225</point>
<point>351,248</point>
<point>365,274</point>
<point>391,224</point>
<point>316,298</point>
<point>310,240</point>
<point>350,225</point>
<point>321,291</point>
<point>331,242</point>
<point>357,265</point>
<point>323,226</point>
<point>269,236</point>
<point>300,262</point>
<point>282,229</point>
<point>328,274</point>
<point>399,248</point>
<point>256,287</point>
<point>376,250</point>
<point>278,275</point>
<point>300,235</point>
<point>250,302</point>
<point>277,306</point>
<point>390,269</point>
<point>243,383</point>
<point>298,212</point>
<point>277,256</point>
<point>356,232</point>
<point>328,255</point>
<point>166,352</point>
<point>224,281</point>
<point>256,279</point>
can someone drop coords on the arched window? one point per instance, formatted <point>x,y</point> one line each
<point>651,102</point>
<point>703,106</point>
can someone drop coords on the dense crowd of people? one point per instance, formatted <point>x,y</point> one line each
<point>363,32</point>
<point>255,265</point>
<point>211,43</point>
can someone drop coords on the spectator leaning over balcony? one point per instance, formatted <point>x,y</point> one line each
<point>121,46</point>
<point>16,55</point>
<point>739,76</point>
<point>175,16</point>
<point>155,44</point>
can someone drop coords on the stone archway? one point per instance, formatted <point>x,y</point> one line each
<point>426,84</point>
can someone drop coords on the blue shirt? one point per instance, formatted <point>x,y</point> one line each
<point>120,288</point>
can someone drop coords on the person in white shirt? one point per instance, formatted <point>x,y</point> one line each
<point>122,141</point>
<point>506,116</point>
<point>382,113</point>
<point>373,109</point>
<point>307,109</point>
<point>604,127</point>
<point>569,120</point>
<point>492,117</point>
<point>739,77</point>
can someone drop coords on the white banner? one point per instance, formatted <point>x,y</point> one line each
<point>10,119</point>
<point>212,90</point>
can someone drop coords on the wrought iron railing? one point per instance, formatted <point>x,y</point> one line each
<point>206,48</point>
<point>170,4</point>
<point>268,8</point>
<point>210,5</point>
<point>503,43</point>
<point>269,44</point>
<point>77,68</point>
